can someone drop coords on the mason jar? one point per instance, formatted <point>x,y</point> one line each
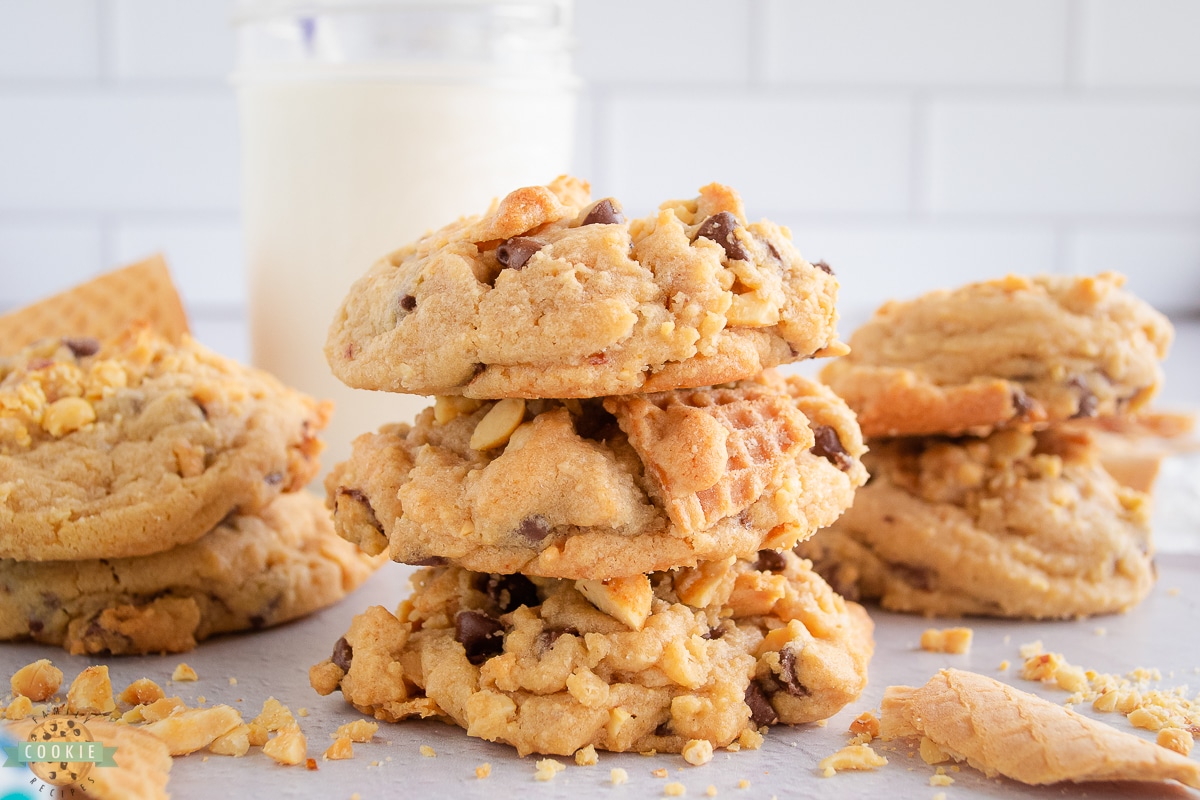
<point>366,124</point>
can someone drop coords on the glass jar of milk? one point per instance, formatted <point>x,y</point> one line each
<point>366,124</point>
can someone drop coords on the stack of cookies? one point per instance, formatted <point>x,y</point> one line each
<point>606,490</point>
<point>148,495</point>
<point>987,493</point>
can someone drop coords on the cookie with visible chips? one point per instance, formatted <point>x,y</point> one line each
<point>603,488</point>
<point>137,445</point>
<point>634,664</point>
<point>553,295</point>
<point>1008,352</point>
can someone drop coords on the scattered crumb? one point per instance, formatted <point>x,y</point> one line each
<point>940,796</point>
<point>733,747</point>
<point>20,708</point>
<point>947,640</point>
<point>586,756</point>
<point>204,759</point>
<point>751,740</point>
<point>184,673</point>
<point>310,764</point>
<point>659,773</point>
<point>483,770</point>
<point>91,692</point>
<point>743,784</point>
<point>941,778</point>
<point>302,712</point>
<point>697,752</point>
<point>188,730</point>
<point>360,730</point>
<point>201,700</point>
<point>618,776</point>
<point>1004,665</point>
<point>853,757</point>
<point>1029,649</point>
<point>675,789</point>
<point>428,751</point>
<point>37,681</point>
<point>547,768</point>
<point>1178,739</point>
<point>865,727</point>
<point>340,749</point>
<point>275,715</point>
<point>648,753</point>
<point>235,743</point>
<point>1100,632</point>
<point>233,681</point>
<point>1173,591</point>
<point>821,723</point>
<point>1007,639</point>
<point>711,791</point>
<point>288,747</point>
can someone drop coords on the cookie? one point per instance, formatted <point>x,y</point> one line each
<point>1013,525</point>
<point>642,663</point>
<point>137,445</point>
<point>603,488</point>
<point>1003,352</point>
<point>248,573</point>
<point>552,295</point>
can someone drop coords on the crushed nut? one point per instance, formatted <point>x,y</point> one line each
<point>547,768</point>
<point>697,752</point>
<point>289,746</point>
<point>20,708</point>
<point>624,599</point>
<point>674,789</point>
<point>1178,739</point>
<point>184,673</point>
<point>141,692</point>
<point>37,681</point>
<point>483,770</point>
<point>853,757</point>
<point>947,640</point>
<point>428,751</point>
<point>91,692</point>
<point>586,756</point>
<point>618,776</point>
<point>340,749</point>
<point>188,730</point>
<point>360,730</point>
<point>235,743</point>
<point>498,424</point>
<point>275,716</point>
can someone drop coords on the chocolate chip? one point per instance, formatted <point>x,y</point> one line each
<point>787,669</point>
<point>774,250</point>
<point>359,497</point>
<point>597,359</point>
<point>917,577</point>
<point>770,561</point>
<point>273,478</point>
<point>36,626</point>
<point>546,639</point>
<point>829,446</point>
<point>427,561</point>
<point>534,528</point>
<point>511,591</point>
<point>1023,403</point>
<point>821,265</point>
<point>82,346</point>
<point>480,635</point>
<point>1089,404</point>
<point>713,633</point>
<point>408,302</point>
<point>720,229</point>
<point>515,252</point>
<point>343,654</point>
<point>663,729</point>
<point>604,213</point>
<point>761,710</point>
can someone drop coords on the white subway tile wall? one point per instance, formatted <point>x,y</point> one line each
<point>910,145</point>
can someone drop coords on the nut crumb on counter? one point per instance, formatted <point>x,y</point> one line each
<point>483,770</point>
<point>851,757</point>
<point>947,640</point>
<point>184,673</point>
<point>586,756</point>
<point>428,751</point>
<point>547,768</point>
<point>618,776</point>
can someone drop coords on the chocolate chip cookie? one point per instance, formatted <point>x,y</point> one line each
<point>1013,525</point>
<point>553,295</point>
<point>138,445</point>
<point>248,573</point>
<point>603,488</point>
<point>641,663</point>
<point>1003,352</point>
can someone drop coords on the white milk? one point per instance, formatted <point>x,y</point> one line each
<point>338,173</point>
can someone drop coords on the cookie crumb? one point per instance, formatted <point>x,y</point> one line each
<point>340,749</point>
<point>947,640</point>
<point>37,681</point>
<point>865,727</point>
<point>586,756</point>
<point>1173,591</point>
<point>310,764</point>
<point>941,778</point>
<point>1004,665</point>
<point>659,773</point>
<point>288,747</point>
<point>743,784</point>
<point>675,789</point>
<point>201,700</point>
<point>853,757</point>
<point>91,692</point>
<point>698,752</point>
<point>1178,739</point>
<point>274,716</point>
<point>750,740</point>
<point>360,730</point>
<point>1029,649</point>
<point>233,681</point>
<point>20,708</point>
<point>483,770</point>
<point>940,796</point>
<point>547,768</point>
<point>184,673</point>
<point>234,743</point>
<point>302,712</point>
<point>618,776</point>
<point>1100,632</point>
<point>711,791</point>
<point>428,751</point>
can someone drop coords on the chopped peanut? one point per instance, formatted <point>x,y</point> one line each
<point>340,749</point>
<point>91,692</point>
<point>289,746</point>
<point>141,692</point>
<point>37,681</point>
<point>947,640</point>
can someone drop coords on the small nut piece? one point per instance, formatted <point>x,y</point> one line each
<point>448,409</point>
<point>947,640</point>
<point>289,746</point>
<point>37,681</point>
<point>624,599</point>
<point>91,692</point>
<point>752,310</point>
<point>66,415</point>
<point>1177,739</point>
<point>853,757</point>
<point>498,424</point>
